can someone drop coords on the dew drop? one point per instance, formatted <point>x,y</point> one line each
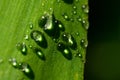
<point>26,69</point>
<point>31,26</point>
<point>85,24</point>
<point>79,19</point>
<point>85,8</point>
<point>39,53</point>
<point>60,25</point>
<point>78,54</point>
<point>22,48</point>
<point>13,62</point>
<point>74,12</point>
<point>74,7</point>
<point>64,50</point>
<point>70,40</point>
<point>43,20</point>
<point>65,16</point>
<point>83,43</point>
<point>50,26</point>
<point>26,37</point>
<point>71,19</point>
<point>39,38</point>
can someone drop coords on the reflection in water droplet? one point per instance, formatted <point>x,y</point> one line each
<point>64,50</point>
<point>74,12</point>
<point>70,40</point>
<point>78,54</point>
<point>74,7</point>
<point>83,43</point>
<point>22,48</point>
<point>26,69</point>
<point>13,62</point>
<point>39,38</point>
<point>39,53</point>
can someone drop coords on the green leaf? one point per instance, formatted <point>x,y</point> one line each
<point>18,18</point>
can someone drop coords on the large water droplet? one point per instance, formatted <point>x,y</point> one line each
<point>26,69</point>
<point>13,62</point>
<point>68,1</point>
<point>50,26</point>
<point>22,48</point>
<point>64,50</point>
<point>39,53</point>
<point>83,43</point>
<point>39,38</point>
<point>70,40</point>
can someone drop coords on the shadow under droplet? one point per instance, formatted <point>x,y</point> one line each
<point>68,1</point>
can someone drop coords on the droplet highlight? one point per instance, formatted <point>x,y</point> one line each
<point>13,62</point>
<point>84,43</point>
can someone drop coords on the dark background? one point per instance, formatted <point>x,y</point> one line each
<point>103,52</point>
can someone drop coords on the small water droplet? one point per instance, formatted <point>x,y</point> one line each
<point>83,43</point>
<point>65,16</point>
<point>26,37</point>
<point>31,26</point>
<point>55,40</point>
<point>71,19</point>
<point>30,46</point>
<point>64,50</point>
<point>39,38</point>
<point>78,54</point>
<point>68,1</point>
<point>39,53</point>
<point>74,12</point>
<point>74,7</point>
<point>13,62</point>
<point>79,19</point>
<point>77,0</point>
<point>43,20</point>
<point>85,24</point>
<point>26,69</point>
<point>77,34</point>
<point>60,25</point>
<point>70,40</point>
<point>22,48</point>
<point>58,1</point>
<point>85,8</point>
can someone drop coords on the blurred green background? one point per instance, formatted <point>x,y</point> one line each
<point>103,53</point>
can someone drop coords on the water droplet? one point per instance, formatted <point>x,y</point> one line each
<point>31,26</point>
<point>77,34</point>
<point>43,20</point>
<point>78,54</point>
<point>55,40</point>
<point>70,40</point>
<point>74,7</point>
<point>58,1</point>
<point>74,12</point>
<point>85,8</point>
<point>50,26</point>
<point>68,1</point>
<point>39,53</point>
<point>39,38</point>
<point>22,48</point>
<point>30,46</point>
<point>26,69</point>
<point>13,62</point>
<point>65,16</point>
<point>85,24</point>
<point>26,37</point>
<point>83,43</point>
<point>64,50</point>
<point>79,19</point>
<point>60,25</point>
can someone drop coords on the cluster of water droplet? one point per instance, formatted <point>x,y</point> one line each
<point>24,67</point>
